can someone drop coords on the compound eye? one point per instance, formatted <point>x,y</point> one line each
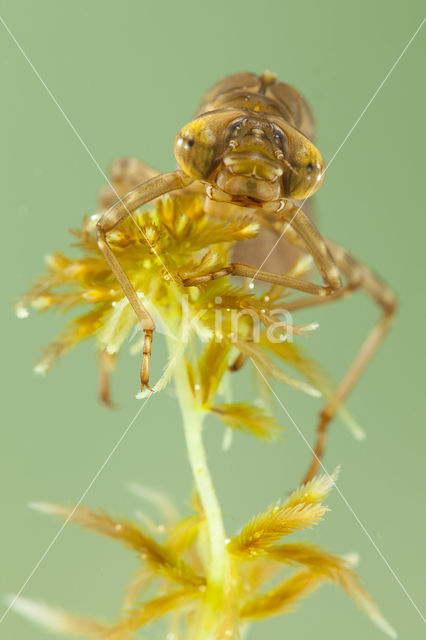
<point>314,171</point>
<point>195,152</point>
<point>185,142</point>
<point>305,180</point>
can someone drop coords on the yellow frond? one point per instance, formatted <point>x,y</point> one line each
<point>79,329</point>
<point>208,262</point>
<point>270,370</point>
<point>335,569</point>
<point>141,580</point>
<point>55,620</point>
<point>249,418</point>
<point>295,357</point>
<point>160,558</point>
<point>212,365</point>
<point>313,492</point>
<point>146,613</point>
<point>182,535</point>
<point>283,597</point>
<point>268,527</point>
<point>117,326</point>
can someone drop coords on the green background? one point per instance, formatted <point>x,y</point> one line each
<point>128,75</point>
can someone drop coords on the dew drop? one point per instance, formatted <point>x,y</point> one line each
<point>41,368</point>
<point>21,311</point>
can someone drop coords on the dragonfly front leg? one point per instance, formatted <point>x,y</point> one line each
<point>236,269</point>
<point>125,174</point>
<point>312,241</point>
<point>144,193</point>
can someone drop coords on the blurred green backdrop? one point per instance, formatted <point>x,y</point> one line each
<point>128,75</point>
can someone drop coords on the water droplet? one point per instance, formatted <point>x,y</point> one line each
<point>251,285</point>
<point>197,387</point>
<point>41,368</point>
<point>21,311</point>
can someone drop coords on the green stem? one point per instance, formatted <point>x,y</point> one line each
<point>193,417</point>
<point>193,424</point>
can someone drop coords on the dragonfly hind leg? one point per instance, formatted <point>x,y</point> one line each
<point>357,276</point>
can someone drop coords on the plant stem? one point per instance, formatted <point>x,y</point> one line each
<point>193,427</point>
<point>193,424</point>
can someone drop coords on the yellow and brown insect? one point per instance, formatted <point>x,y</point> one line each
<point>250,144</point>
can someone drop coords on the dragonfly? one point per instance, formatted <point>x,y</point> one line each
<point>251,144</point>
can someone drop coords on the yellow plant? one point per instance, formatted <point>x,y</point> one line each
<point>209,585</point>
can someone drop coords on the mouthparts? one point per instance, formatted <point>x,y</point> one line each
<point>253,164</point>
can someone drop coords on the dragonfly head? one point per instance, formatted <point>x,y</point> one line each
<point>252,158</point>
